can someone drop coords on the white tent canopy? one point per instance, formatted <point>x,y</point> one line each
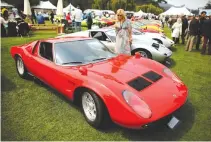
<point>4,4</point>
<point>59,10</point>
<point>140,13</point>
<point>69,8</point>
<point>27,8</point>
<point>177,11</point>
<point>45,5</point>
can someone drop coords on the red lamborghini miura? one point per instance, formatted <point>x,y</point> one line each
<point>132,91</point>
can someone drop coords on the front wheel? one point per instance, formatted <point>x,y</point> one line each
<point>94,109</point>
<point>20,67</point>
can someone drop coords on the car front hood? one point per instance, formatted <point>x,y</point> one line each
<point>163,96</point>
<point>121,69</point>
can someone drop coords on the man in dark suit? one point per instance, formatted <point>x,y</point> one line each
<point>201,22</point>
<point>206,28</point>
<point>184,28</point>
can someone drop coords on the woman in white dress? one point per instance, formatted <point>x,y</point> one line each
<point>177,30</point>
<point>124,33</point>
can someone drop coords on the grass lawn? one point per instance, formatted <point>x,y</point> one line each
<point>34,112</point>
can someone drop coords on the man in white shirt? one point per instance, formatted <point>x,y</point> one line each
<point>78,16</point>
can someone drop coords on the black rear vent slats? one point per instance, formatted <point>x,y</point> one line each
<point>152,76</point>
<point>139,83</point>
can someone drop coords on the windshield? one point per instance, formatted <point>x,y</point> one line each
<point>136,32</point>
<point>112,35</point>
<point>81,52</point>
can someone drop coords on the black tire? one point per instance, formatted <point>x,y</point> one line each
<point>102,117</point>
<point>24,73</point>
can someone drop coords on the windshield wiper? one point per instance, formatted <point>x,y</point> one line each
<point>72,63</point>
<point>99,59</point>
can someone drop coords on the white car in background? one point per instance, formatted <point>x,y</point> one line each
<point>160,38</point>
<point>147,47</point>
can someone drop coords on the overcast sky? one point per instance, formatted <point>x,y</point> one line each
<point>192,4</point>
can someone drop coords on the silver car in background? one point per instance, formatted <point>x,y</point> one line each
<point>147,47</point>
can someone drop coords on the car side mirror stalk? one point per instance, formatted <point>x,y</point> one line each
<point>108,40</point>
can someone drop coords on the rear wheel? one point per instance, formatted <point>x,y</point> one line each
<point>94,109</point>
<point>20,67</point>
<point>145,54</point>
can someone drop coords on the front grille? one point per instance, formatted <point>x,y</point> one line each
<point>152,76</point>
<point>139,83</point>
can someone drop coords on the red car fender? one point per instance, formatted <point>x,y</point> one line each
<point>15,50</point>
<point>119,111</point>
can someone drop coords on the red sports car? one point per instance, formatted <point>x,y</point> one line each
<point>132,91</point>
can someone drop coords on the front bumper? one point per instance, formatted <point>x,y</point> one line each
<point>165,120</point>
<point>161,57</point>
<point>160,122</point>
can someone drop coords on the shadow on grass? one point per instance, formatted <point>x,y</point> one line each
<point>170,63</point>
<point>6,84</point>
<point>173,49</point>
<point>160,132</point>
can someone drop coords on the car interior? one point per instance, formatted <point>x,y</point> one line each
<point>99,35</point>
<point>46,51</point>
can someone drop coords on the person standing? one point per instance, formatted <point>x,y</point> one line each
<point>40,18</point>
<point>124,33</point>
<point>78,18</point>
<point>33,17</point>
<point>52,16</point>
<point>206,28</point>
<point>177,30</point>
<point>89,20</point>
<point>201,22</point>
<point>193,31</point>
<point>184,28</point>
<point>68,18</point>
<point>3,22</point>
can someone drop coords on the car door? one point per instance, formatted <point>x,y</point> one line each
<point>103,38</point>
<point>49,72</point>
<point>42,60</point>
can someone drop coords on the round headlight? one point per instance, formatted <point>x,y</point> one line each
<point>137,104</point>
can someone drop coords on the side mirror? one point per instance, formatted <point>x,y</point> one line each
<point>107,39</point>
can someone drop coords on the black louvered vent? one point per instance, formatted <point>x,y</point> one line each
<point>152,76</point>
<point>139,83</point>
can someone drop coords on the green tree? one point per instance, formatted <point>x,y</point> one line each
<point>97,4</point>
<point>20,3</point>
<point>208,5</point>
<point>149,8</point>
<point>130,5</point>
<point>117,4</point>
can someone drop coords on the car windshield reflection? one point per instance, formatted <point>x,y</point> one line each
<point>112,35</point>
<point>81,52</point>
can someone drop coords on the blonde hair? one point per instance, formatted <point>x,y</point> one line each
<point>121,12</point>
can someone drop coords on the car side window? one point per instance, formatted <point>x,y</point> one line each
<point>99,35</point>
<point>46,50</point>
